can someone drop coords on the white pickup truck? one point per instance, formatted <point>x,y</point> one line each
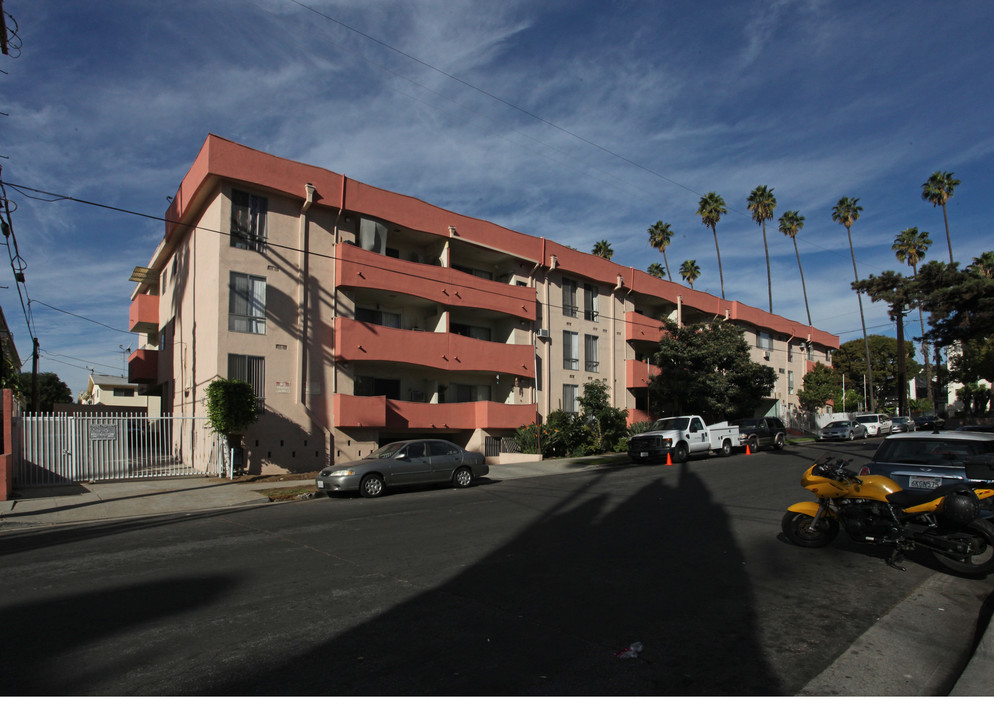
<point>683,436</point>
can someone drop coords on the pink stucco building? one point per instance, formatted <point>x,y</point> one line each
<point>361,315</point>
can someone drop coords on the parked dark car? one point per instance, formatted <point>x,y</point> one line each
<point>927,460</point>
<point>842,430</point>
<point>928,422</point>
<point>902,423</point>
<point>404,463</point>
<point>764,432</point>
<point>977,428</point>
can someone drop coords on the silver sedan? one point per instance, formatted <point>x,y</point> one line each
<point>407,462</point>
<point>842,430</point>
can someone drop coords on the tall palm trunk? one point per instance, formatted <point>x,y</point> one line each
<point>862,320</point>
<point>769,278</point>
<point>804,289</point>
<point>949,241</point>
<point>721,275</point>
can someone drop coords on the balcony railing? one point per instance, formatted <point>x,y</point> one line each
<point>358,341</point>
<point>380,412</point>
<point>143,315</point>
<point>450,287</point>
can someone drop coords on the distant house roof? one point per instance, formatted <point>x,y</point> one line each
<point>111,381</point>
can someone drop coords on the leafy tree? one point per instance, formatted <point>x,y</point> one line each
<point>849,360</point>
<point>910,247</point>
<point>568,435</point>
<point>937,190</point>
<point>690,271</point>
<point>51,391</point>
<point>603,249</point>
<point>820,384</point>
<point>657,270</point>
<point>608,424</point>
<point>846,212</point>
<point>711,208</point>
<point>974,362</point>
<point>961,302</point>
<point>898,292</point>
<point>974,396</point>
<point>984,265</point>
<point>761,204</point>
<point>706,370</point>
<point>791,223</point>
<point>660,236</point>
<point>231,406</point>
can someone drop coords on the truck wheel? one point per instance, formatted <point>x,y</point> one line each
<point>778,442</point>
<point>726,448</point>
<point>753,444</point>
<point>680,453</point>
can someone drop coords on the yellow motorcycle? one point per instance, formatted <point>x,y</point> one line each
<point>950,522</point>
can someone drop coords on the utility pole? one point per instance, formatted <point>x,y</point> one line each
<point>34,377</point>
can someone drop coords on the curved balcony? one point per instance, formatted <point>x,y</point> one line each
<point>379,412</point>
<point>641,327</point>
<point>638,373</point>
<point>364,269</point>
<point>143,366</point>
<point>358,341</point>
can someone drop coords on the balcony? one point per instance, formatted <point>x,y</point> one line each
<point>143,316</point>
<point>358,341</point>
<point>641,327</point>
<point>143,366</point>
<point>379,412</point>
<point>638,373</point>
<point>453,288</point>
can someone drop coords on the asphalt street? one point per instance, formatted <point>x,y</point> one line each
<point>524,585</point>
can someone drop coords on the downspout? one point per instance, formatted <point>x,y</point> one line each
<point>303,308</point>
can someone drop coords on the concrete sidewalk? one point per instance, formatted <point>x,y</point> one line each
<point>919,647</point>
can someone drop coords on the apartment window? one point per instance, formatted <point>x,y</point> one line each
<point>377,317</point>
<point>591,363</point>
<point>589,302</point>
<point>470,393</point>
<point>250,369</point>
<point>248,220</point>
<point>247,304</point>
<point>790,352</point>
<point>571,402</point>
<point>569,297</point>
<point>790,381</point>
<point>123,392</point>
<point>470,331</point>
<point>571,350</point>
<point>366,386</point>
<point>811,352</point>
<point>764,341</point>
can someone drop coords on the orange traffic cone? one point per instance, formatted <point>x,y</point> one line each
<point>669,459</point>
<point>747,449</point>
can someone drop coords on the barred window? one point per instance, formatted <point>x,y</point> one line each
<point>569,297</point>
<point>571,350</point>
<point>571,402</point>
<point>250,369</point>
<point>591,363</point>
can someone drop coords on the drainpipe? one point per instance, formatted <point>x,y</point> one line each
<point>302,297</point>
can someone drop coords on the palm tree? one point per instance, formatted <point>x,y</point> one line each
<point>660,236</point>
<point>846,212</point>
<point>711,208</point>
<point>983,265</point>
<point>761,204</point>
<point>910,247</point>
<point>690,271</point>
<point>791,223</point>
<point>657,270</point>
<point>937,190</point>
<point>603,249</point>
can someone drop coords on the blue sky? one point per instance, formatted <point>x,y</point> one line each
<point>580,121</point>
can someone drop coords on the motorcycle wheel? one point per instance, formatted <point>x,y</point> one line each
<point>981,562</point>
<point>797,528</point>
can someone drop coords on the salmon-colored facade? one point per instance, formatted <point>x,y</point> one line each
<point>360,315</point>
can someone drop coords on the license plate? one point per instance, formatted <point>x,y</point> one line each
<point>644,454</point>
<point>321,484</point>
<point>924,483</point>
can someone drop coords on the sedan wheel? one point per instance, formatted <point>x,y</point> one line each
<point>371,486</point>
<point>851,435</point>
<point>462,478</point>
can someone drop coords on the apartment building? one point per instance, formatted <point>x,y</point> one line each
<point>360,315</point>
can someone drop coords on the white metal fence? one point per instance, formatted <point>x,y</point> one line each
<point>59,449</point>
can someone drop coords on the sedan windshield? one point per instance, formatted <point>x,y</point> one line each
<point>837,424</point>
<point>940,451</point>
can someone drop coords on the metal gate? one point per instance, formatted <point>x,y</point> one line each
<point>59,449</point>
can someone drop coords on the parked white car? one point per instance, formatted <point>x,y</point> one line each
<point>876,424</point>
